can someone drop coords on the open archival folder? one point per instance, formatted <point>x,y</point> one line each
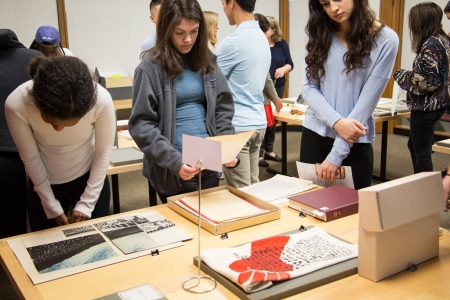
<point>308,172</point>
<point>221,207</point>
<point>278,188</point>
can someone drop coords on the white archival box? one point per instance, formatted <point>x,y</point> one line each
<point>399,224</point>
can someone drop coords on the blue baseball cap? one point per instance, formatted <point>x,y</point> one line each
<point>47,34</point>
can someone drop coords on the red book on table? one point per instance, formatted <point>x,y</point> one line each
<point>327,204</point>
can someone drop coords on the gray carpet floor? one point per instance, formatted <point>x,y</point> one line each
<point>134,190</point>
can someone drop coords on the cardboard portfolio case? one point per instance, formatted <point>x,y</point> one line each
<point>273,212</point>
<point>399,224</point>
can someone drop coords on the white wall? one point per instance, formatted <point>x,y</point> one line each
<point>407,55</point>
<point>108,33</point>
<point>24,17</point>
<point>298,18</point>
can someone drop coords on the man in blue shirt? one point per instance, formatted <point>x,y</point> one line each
<point>244,59</point>
<point>150,42</point>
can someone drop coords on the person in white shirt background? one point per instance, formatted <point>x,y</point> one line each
<point>63,125</point>
<point>150,42</point>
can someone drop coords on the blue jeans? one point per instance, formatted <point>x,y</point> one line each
<point>268,141</point>
<point>421,136</point>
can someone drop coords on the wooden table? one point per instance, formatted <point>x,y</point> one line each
<point>286,117</point>
<point>440,149</point>
<point>168,270</point>
<point>122,104</point>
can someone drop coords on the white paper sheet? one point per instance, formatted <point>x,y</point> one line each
<point>126,134</point>
<point>308,172</point>
<point>232,144</point>
<point>202,153</point>
<point>213,151</point>
<point>277,187</point>
<point>143,292</point>
<point>395,93</point>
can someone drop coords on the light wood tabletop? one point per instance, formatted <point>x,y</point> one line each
<point>122,104</point>
<point>440,149</point>
<point>167,271</point>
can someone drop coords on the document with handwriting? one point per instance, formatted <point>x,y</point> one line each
<point>221,206</point>
<point>308,172</point>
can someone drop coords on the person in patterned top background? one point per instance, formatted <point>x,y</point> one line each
<point>427,84</point>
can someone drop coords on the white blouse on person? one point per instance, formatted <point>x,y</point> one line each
<point>52,157</point>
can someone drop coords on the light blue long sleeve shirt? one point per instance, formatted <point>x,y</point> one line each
<point>150,42</point>
<point>353,96</point>
<point>244,59</point>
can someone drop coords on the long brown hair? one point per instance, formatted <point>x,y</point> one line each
<point>320,29</point>
<point>170,15</point>
<point>425,19</point>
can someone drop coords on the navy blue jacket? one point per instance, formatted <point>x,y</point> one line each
<point>14,60</point>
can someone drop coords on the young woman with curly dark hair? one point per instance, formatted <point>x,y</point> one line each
<point>63,126</point>
<point>349,61</point>
<point>427,84</point>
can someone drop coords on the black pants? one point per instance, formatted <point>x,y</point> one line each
<point>68,194</point>
<point>421,136</point>
<point>280,91</point>
<point>269,136</point>
<point>269,140</point>
<point>210,179</point>
<point>315,149</point>
<point>13,187</point>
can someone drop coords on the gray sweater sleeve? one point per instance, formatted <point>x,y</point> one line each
<point>145,120</point>
<point>270,94</point>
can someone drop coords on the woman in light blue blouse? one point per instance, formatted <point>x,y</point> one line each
<point>349,61</point>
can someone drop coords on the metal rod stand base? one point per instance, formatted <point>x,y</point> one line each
<point>190,288</point>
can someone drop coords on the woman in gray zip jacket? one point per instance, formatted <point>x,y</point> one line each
<point>178,89</point>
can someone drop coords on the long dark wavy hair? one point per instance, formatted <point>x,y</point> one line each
<point>425,19</point>
<point>320,29</point>
<point>170,15</point>
<point>63,86</point>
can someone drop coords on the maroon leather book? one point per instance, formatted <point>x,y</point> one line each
<point>327,204</point>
